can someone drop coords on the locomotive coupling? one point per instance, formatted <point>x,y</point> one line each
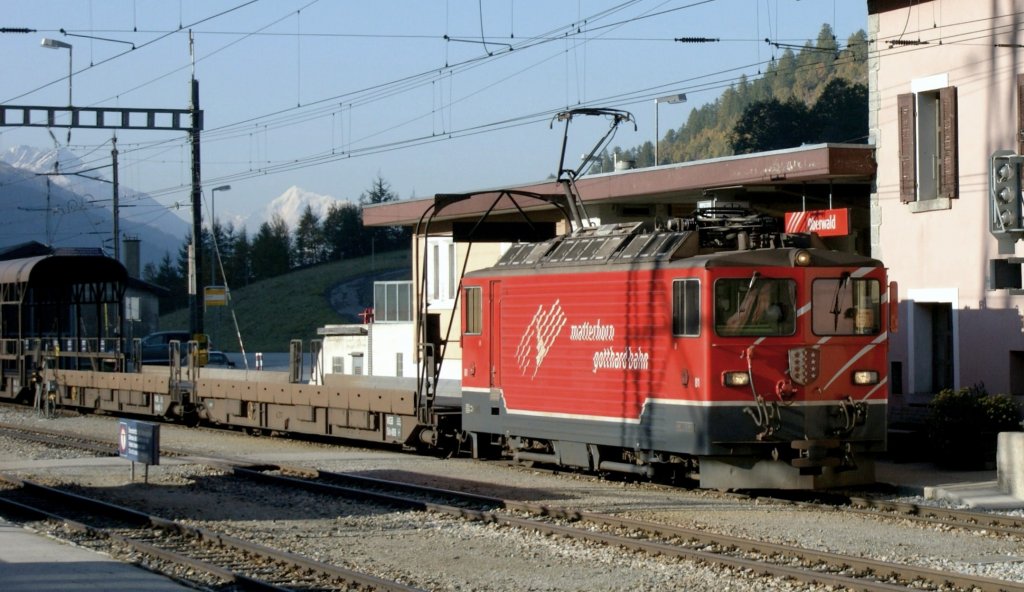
<point>817,453</point>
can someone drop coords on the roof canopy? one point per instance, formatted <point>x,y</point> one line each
<point>814,168</point>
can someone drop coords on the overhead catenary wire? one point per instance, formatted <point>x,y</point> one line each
<point>146,44</point>
<point>320,158</point>
<point>413,140</point>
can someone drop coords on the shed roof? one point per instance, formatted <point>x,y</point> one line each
<point>62,269</point>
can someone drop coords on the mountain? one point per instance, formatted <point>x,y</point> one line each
<point>290,205</point>
<point>61,208</point>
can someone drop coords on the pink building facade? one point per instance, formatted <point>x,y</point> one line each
<point>945,79</point>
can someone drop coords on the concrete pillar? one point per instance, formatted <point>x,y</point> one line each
<point>1010,463</point>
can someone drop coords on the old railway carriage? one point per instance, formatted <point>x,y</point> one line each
<point>621,349</point>
<point>56,308</point>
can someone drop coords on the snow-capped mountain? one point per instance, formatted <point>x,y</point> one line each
<point>43,199</point>
<point>290,205</point>
<point>46,202</point>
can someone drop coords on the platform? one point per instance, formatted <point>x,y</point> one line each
<point>975,489</point>
<point>32,562</point>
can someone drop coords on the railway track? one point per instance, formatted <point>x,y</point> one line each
<point>778,560</point>
<point>59,439</point>
<point>757,557</point>
<point>224,559</point>
<point>924,515</point>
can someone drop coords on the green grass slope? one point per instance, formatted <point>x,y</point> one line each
<point>292,306</point>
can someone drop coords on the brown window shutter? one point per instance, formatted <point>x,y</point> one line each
<point>1020,114</point>
<point>908,148</point>
<point>949,183</point>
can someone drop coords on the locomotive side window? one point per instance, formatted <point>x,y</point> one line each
<point>686,308</point>
<point>845,306</point>
<point>755,306</point>
<point>474,311</point>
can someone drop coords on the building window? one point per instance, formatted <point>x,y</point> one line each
<point>473,307</point>
<point>337,365</point>
<point>392,302</point>
<point>928,143</point>
<point>1020,114</point>
<point>435,273</point>
<point>686,308</point>
<point>452,280</point>
<point>441,272</point>
<point>399,362</point>
<point>357,364</point>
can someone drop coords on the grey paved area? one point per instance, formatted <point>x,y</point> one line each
<point>976,489</point>
<point>30,562</point>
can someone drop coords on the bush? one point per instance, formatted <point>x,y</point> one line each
<point>963,425</point>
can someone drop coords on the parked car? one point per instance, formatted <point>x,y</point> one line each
<point>218,359</point>
<point>155,346</point>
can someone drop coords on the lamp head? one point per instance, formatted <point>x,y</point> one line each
<point>55,44</point>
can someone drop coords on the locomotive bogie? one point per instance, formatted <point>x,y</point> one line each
<point>735,472</point>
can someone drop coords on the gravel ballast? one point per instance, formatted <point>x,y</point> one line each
<point>441,553</point>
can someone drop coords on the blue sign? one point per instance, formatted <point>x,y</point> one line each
<point>138,441</point>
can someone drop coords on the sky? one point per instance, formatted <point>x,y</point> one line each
<point>432,96</point>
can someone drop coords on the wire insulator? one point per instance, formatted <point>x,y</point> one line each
<point>696,39</point>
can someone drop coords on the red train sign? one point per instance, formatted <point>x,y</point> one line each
<point>835,222</point>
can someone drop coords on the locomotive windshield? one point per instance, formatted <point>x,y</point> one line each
<point>755,306</point>
<point>845,306</point>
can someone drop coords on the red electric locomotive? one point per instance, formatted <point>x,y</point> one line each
<point>715,348</point>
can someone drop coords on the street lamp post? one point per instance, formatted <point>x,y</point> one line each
<point>213,221</point>
<point>671,100</point>
<point>214,251</point>
<point>56,44</point>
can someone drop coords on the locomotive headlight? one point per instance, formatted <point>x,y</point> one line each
<point>735,379</point>
<point>865,377</point>
<point>802,259</point>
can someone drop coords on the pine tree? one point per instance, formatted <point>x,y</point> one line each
<point>343,231</point>
<point>271,248</point>
<point>310,248</point>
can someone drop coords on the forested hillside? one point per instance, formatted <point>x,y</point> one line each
<point>273,311</point>
<point>790,86</point>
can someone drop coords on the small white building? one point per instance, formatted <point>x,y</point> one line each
<point>386,344</point>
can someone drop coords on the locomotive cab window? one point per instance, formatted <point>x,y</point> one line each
<point>473,311</point>
<point>845,306</point>
<point>755,306</point>
<point>686,308</point>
